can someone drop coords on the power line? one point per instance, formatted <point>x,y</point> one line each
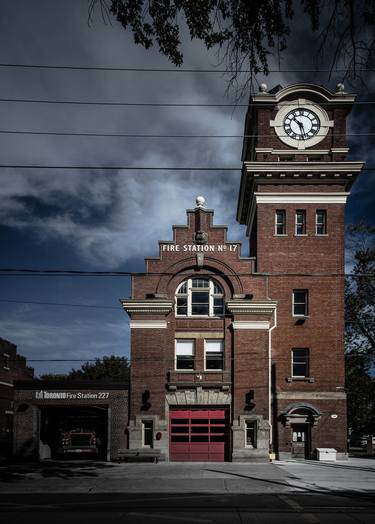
<point>143,135</point>
<point>121,168</point>
<point>67,272</point>
<point>63,304</point>
<point>137,168</point>
<point>169,70</point>
<point>154,104</point>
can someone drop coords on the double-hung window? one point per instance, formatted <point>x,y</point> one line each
<point>280,222</point>
<point>185,354</point>
<point>300,222</point>
<point>214,354</point>
<point>321,222</point>
<point>300,302</point>
<point>300,363</point>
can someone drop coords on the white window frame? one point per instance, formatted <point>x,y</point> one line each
<point>324,212</point>
<point>306,292</point>
<point>304,223</point>
<point>207,342</point>
<point>247,423</point>
<point>210,289</point>
<point>307,363</point>
<point>6,358</point>
<point>184,370</point>
<point>284,222</point>
<point>144,422</point>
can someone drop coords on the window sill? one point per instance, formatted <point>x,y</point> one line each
<point>301,379</point>
<point>200,316</point>
<point>322,235</point>
<point>280,235</point>
<point>302,235</point>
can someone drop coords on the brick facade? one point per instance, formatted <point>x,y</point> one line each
<point>34,398</point>
<point>12,367</point>
<point>290,414</point>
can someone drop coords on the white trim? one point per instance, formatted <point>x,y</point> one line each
<point>301,198</point>
<point>251,324</point>
<point>9,412</point>
<point>249,306</point>
<point>147,306</point>
<point>148,324</point>
<point>6,384</point>
<point>304,167</point>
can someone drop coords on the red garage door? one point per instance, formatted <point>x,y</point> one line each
<point>198,435</point>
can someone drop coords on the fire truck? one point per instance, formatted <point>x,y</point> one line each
<point>77,435</point>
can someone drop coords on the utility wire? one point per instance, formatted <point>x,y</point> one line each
<point>140,168</point>
<point>156,104</point>
<point>67,272</point>
<point>63,304</point>
<point>169,70</point>
<point>142,135</point>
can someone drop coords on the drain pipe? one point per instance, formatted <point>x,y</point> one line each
<point>270,372</point>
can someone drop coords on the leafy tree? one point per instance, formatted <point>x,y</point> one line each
<point>360,330</point>
<point>107,368</point>
<point>248,31</point>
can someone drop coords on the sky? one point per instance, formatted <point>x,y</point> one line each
<point>94,220</point>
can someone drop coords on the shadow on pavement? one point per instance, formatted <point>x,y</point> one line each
<point>17,472</point>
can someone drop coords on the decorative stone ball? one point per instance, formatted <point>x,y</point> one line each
<point>263,88</point>
<point>200,201</point>
<point>340,88</point>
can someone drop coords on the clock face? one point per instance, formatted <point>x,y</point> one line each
<point>301,124</point>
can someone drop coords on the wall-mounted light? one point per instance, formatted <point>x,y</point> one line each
<point>146,404</point>
<point>249,400</point>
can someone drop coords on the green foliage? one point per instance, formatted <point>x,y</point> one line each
<point>360,330</point>
<point>115,369</point>
<point>249,31</point>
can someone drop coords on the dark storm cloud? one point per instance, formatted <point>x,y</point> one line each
<point>110,220</point>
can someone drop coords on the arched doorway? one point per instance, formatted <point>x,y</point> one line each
<point>300,418</point>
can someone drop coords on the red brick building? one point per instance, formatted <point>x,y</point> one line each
<point>12,367</point>
<point>233,357</point>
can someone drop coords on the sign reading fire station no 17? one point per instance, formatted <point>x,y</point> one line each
<point>71,395</point>
<point>213,248</point>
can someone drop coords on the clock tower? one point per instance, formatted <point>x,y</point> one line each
<point>295,182</point>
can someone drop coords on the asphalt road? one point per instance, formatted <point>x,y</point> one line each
<point>285,492</point>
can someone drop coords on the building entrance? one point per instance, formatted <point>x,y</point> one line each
<point>300,441</point>
<point>198,435</point>
<point>75,432</point>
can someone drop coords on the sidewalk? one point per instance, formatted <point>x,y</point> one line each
<point>89,477</point>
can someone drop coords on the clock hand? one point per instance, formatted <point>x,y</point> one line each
<point>302,129</point>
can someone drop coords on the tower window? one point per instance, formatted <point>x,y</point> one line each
<point>213,354</point>
<point>300,222</point>
<point>300,302</point>
<point>321,222</point>
<point>199,297</point>
<point>280,222</point>
<point>300,363</point>
<point>185,354</point>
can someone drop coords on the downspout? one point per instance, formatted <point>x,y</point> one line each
<point>270,372</point>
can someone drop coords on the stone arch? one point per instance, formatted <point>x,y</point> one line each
<point>300,412</point>
<point>188,266</point>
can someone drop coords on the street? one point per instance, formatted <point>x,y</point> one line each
<point>290,492</point>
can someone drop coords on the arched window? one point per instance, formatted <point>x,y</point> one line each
<point>199,297</point>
